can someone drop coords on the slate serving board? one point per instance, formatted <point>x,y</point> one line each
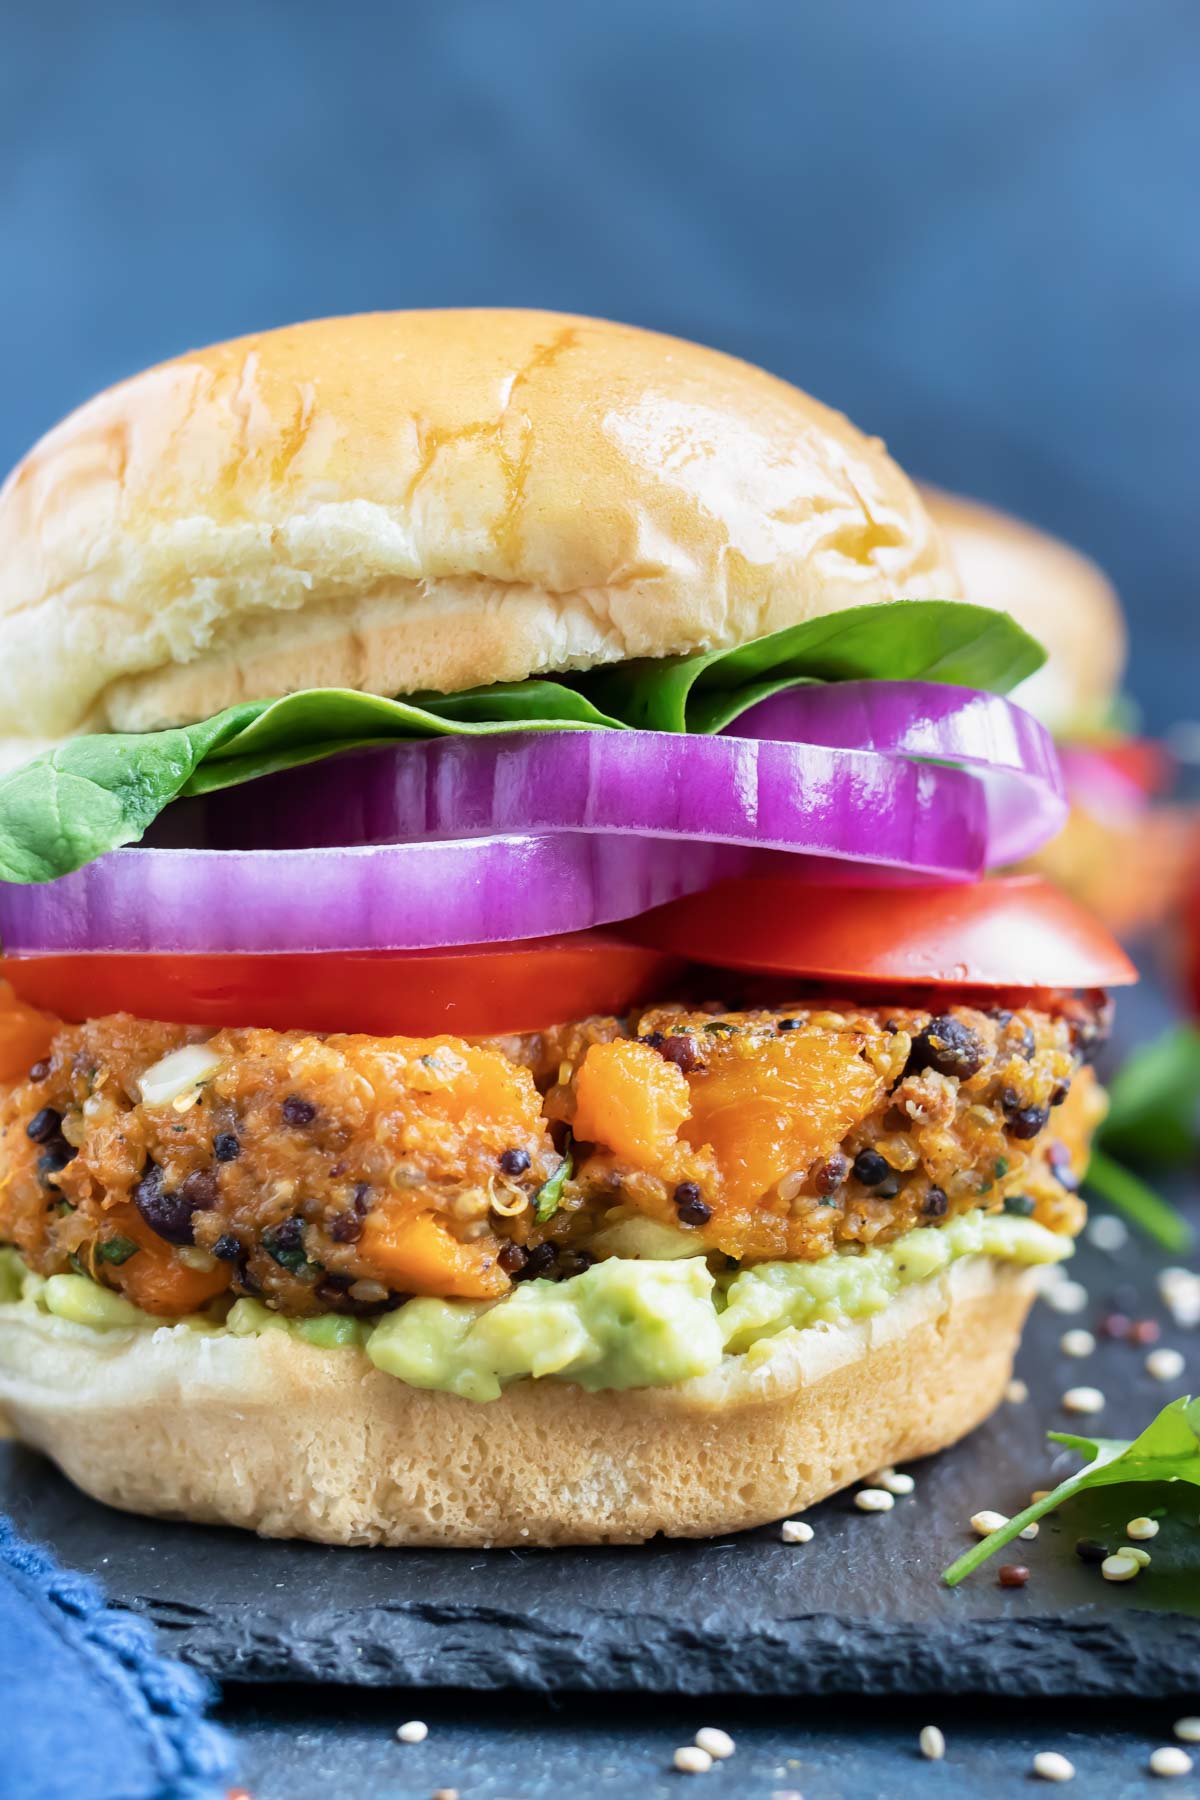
<point>859,1608</point>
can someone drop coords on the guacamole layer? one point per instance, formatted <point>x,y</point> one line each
<point>627,1322</point>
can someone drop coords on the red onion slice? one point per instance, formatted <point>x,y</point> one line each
<point>373,897</point>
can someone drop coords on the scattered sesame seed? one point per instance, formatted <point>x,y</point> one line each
<point>933,1744</point>
<point>1107,1232</point>
<point>893,1481</point>
<point>1141,1557</point>
<point>716,1743</point>
<point>796,1531</point>
<point>1188,1730</point>
<point>1083,1400</point>
<point>1141,1528</point>
<point>1120,1568</point>
<point>1016,1392</point>
<point>1066,1297</point>
<point>984,1523</point>
<point>1053,1767</point>
<point>1180,1290</point>
<point>690,1759</point>
<point>873,1500</point>
<point>415,1731</point>
<point>1165,1365</point>
<point>1030,1531</point>
<point>1170,1760</point>
<point>1077,1342</point>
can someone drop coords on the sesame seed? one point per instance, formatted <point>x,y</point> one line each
<point>933,1744</point>
<point>796,1531</point>
<point>1170,1760</point>
<point>1077,1343</point>
<point>1066,1297</point>
<point>414,1731</point>
<point>893,1481</point>
<point>1188,1729</point>
<point>873,1500</point>
<point>1165,1365</point>
<point>1050,1766</point>
<point>1141,1528</point>
<point>690,1759</point>
<point>1017,1392</point>
<point>1141,1557</point>
<point>715,1742</point>
<point>1030,1531</point>
<point>1083,1400</point>
<point>984,1523</point>
<point>1120,1568</point>
<point>1108,1232</point>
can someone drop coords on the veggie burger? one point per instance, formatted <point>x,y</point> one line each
<point>507,1035</point>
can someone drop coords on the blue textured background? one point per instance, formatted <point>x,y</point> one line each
<point>974,227</point>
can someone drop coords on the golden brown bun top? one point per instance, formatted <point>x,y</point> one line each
<point>1056,592</point>
<point>404,501</point>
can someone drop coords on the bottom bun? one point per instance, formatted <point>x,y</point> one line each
<point>292,1441</point>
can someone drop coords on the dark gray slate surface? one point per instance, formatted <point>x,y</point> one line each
<point>859,1608</point>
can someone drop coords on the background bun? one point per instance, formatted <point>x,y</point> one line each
<point>292,1441</point>
<point>399,501</point>
<point>1056,592</point>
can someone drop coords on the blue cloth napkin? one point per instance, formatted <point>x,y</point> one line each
<point>88,1708</point>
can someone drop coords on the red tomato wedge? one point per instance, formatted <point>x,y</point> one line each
<point>483,991</point>
<point>1012,932</point>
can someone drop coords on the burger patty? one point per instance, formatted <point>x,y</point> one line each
<point>344,1172</point>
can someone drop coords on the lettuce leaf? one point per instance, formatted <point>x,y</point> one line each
<point>95,794</point>
<point>1168,1450</point>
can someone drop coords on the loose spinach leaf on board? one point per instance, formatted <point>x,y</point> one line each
<point>1168,1450</point>
<point>1154,1101</point>
<point>94,794</point>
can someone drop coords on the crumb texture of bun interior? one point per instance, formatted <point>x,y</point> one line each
<point>1056,592</point>
<point>273,1435</point>
<point>428,500</point>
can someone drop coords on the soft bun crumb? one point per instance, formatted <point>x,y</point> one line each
<point>274,1435</point>
<point>428,500</point>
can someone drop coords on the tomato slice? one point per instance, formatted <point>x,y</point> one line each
<point>478,991</point>
<point>1010,932</point>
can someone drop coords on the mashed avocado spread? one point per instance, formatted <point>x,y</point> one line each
<point>624,1323</point>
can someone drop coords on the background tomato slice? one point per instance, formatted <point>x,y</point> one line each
<point>1011,932</point>
<point>487,991</point>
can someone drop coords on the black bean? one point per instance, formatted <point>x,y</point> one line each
<point>346,1228</point>
<point>39,1071</point>
<point>790,1025</point>
<point>167,1214</point>
<point>654,1040</point>
<point>1060,1093</point>
<point>948,1047</point>
<point>870,1168</point>
<point>1090,1550</point>
<point>1027,1121</point>
<point>888,1189</point>
<point>44,1125</point>
<point>514,1162</point>
<point>935,1204</point>
<point>1020,1205</point>
<point>574,1262</point>
<point>200,1190</point>
<point>227,1248</point>
<point>512,1258</point>
<point>537,1262</point>
<point>683,1053</point>
<point>362,1199</point>
<point>689,1206</point>
<point>298,1112</point>
<point>831,1174</point>
<point>55,1157</point>
<point>226,1147</point>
